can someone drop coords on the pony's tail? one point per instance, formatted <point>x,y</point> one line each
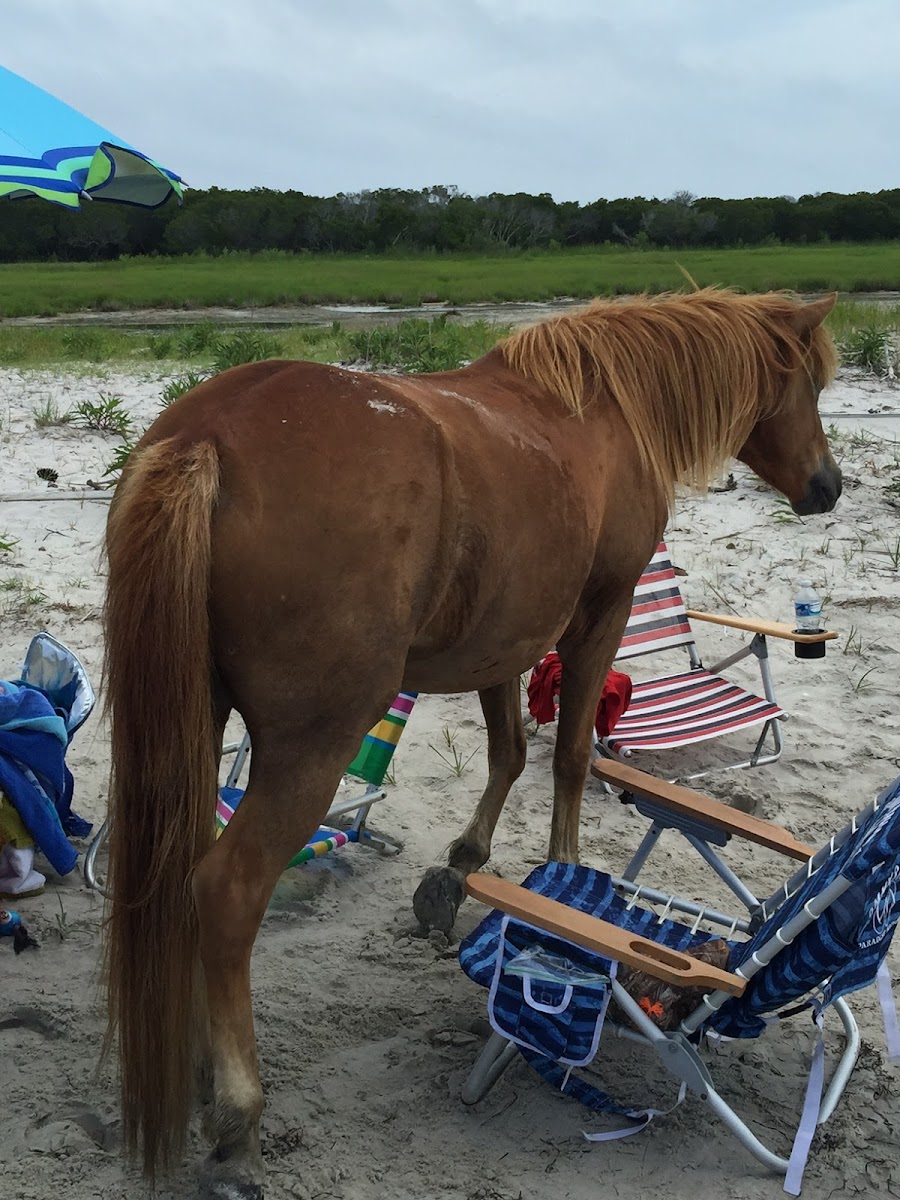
<point>163,781</point>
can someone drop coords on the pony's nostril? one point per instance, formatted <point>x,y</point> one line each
<point>822,492</point>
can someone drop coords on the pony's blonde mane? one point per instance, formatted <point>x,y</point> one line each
<point>692,373</point>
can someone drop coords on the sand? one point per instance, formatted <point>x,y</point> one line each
<point>367,1032</point>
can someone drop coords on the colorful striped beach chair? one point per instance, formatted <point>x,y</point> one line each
<point>369,767</point>
<point>692,706</point>
<point>573,955</point>
<point>345,821</point>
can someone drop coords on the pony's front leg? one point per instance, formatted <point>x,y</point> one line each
<point>584,669</point>
<point>442,889</point>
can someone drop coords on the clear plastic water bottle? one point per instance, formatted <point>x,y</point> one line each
<point>807,608</point>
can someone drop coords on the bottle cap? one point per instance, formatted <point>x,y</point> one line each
<point>806,583</point>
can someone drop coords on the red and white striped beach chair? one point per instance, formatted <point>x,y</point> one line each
<point>697,704</point>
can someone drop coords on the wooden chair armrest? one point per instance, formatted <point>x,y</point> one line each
<point>692,804</point>
<point>671,966</point>
<point>766,628</point>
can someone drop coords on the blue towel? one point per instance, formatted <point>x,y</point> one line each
<point>33,738</point>
<point>62,698</point>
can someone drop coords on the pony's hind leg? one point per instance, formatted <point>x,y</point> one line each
<point>288,794</point>
<point>439,895</point>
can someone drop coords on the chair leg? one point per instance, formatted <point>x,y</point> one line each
<point>829,1101</point>
<point>602,752</point>
<point>722,869</point>
<point>360,812</point>
<point>379,841</point>
<point>681,1059</point>
<point>642,853</point>
<point>493,1060</point>
<point>847,1062</point>
<point>756,759</point>
<point>744,1135</point>
<point>240,757</point>
<point>90,872</point>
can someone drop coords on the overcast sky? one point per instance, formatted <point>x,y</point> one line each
<point>580,98</point>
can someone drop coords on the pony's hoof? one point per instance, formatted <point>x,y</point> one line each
<point>221,1180</point>
<point>438,898</point>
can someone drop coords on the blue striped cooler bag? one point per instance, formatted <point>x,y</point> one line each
<point>548,995</point>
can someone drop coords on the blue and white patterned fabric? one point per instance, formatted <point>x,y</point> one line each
<point>519,1006</point>
<point>553,1004</point>
<point>841,951</point>
<point>570,1034</point>
<point>585,890</point>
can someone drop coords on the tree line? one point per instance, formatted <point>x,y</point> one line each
<point>435,219</point>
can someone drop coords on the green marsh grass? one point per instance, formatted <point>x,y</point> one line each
<point>415,344</point>
<point>106,414</point>
<point>245,346</point>
<point>48,414</point>
<point>850,316</point>
<point>421,345</point>
<point>180,386</point>
<point>246,280</point>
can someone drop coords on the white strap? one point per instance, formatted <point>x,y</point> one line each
<point>527,981</point>
<point>809,1119</point>
<point>888,1012</point>
<point>643,1119</point>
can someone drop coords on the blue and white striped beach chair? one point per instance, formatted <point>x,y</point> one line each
<point>552,950</point>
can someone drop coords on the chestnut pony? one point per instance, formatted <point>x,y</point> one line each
<point>300,542</point>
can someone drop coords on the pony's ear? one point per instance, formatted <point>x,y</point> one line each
<point>806,317</point>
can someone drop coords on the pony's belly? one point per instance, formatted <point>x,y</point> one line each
<point>469,669</point>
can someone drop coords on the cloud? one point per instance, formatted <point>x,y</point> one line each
<point>579,98</point>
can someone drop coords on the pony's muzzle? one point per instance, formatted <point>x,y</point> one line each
<point>822,491</point>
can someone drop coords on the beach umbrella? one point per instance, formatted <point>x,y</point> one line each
<point>48,149</point>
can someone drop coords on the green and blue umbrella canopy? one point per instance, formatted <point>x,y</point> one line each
<point>48,149</point>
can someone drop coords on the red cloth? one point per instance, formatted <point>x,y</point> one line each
<point>614,699</point>
<point>543,692</point>
<point>543,689</point>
